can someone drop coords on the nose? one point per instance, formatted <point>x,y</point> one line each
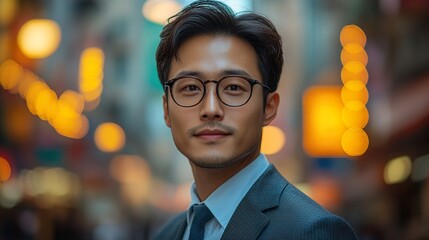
<point>211,107</point>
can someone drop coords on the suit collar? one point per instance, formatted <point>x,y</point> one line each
<point>249,219</point>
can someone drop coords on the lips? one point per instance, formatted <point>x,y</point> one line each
<point>211,134</point>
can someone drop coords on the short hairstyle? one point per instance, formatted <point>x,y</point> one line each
<point>206,17</point>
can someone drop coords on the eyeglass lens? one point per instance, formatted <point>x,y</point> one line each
<point>232,91</point>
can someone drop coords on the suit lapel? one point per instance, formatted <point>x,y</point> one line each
<point>249,220</point>
<point>175,230</point>
<point>180,229</point>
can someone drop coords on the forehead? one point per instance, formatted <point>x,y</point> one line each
<point>213,55</point>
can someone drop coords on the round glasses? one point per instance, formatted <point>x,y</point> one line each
<point>233,91</point>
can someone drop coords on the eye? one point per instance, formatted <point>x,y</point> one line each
<point>233,87</point>
<point>188,87</point>
<point>191,88</point>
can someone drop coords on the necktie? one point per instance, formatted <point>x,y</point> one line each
<point>201,216</point>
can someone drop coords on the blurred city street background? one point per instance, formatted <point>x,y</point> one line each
<point>85,153</point>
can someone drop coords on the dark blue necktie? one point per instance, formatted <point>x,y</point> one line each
<point>201,216</point>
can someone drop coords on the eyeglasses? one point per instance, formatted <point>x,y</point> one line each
<point>232,90</point>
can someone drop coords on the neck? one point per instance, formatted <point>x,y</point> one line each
<point>207,180</point>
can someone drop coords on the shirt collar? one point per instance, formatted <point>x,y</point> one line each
<point>225,199</point>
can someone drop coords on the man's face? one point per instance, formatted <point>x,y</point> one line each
<point>211,134</point>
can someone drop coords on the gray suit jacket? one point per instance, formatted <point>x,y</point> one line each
<point>273,209</point>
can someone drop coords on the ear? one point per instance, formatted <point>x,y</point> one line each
<point>166,114</point>
<point>271,106</point>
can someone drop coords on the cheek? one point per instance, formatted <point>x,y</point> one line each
<point>180,122</point>
<point>249,122</point>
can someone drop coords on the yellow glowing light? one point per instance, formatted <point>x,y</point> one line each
<point>10,74</point>
<point>93,95</point>
<point>355,141</point>
<point>5,170</point>
<point>354,52</point>
<point>352,34</point>
<point>273,140</point>
<point>354,90</point>
<point>159,11</point>
<point>46,104</point>
<point>91,74</point>
<point>27,79</point>
<point>354,71</point>
<point>109,137</point>
<point>70,125</point>
<point>8,10</point>
<point>39,38</point>
<point>355,115</point>
<point>322,122</point>
<point>397,170</point>
<point>72,100</point>
<point>33,92</point>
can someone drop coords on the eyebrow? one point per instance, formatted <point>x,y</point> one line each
<point>224,73</point>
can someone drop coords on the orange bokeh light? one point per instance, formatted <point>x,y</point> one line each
<point>352,34</point>
<point>5,170</point>
<point>322,121</point>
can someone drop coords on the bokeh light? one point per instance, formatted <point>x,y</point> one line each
<point>130,169</point>
<point>354,94</point>
<point>91,73</point>
<point>50,186</point>
<point>27,79</point>
<point>354,71</point>
<point>8,10</point>
<point>109,137</point>
<point>397,170</point>
<point>33,92</point>
<point>72,100</point>
<point>134,174</point>
<point>39,38</point>
<point>354,141</point>
<point>45,104</point>
<point>159,11</point>
<point>352,34</point>
<point>10,193</point>
<point>5,170</point>
<point>273,140</point>
<point>322,121</point>
<point>326,192</point>
<point>10,74</point>
<point>71,126</point>
<point>354,52</point>
<point>355,114</point>
<point>354,90</point>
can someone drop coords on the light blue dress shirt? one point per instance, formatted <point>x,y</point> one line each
<point>225,199</point>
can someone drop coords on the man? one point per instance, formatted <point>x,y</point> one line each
<point>220,72</point>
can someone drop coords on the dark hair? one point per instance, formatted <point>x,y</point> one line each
<point>213,17</point>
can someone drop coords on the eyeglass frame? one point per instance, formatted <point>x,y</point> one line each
<point>251,81</point>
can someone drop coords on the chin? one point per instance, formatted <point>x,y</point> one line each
<point>213,162</point>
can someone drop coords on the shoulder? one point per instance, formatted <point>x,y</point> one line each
<point>300,217</point>
<point>172,227</point>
